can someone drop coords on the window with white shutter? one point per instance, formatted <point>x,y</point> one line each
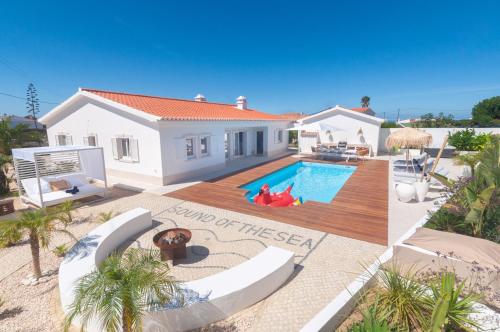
<point>190,148</point>
<point>90,140</point>
<point>125,149</point>
<point>64,139</point>
<point>134,149</point>
<point>280,135</point>
<point>204,145</point>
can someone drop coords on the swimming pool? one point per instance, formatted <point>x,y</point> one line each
<point>311,181</point>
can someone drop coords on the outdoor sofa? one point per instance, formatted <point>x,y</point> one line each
<point>54,197</point>
<point>335,153</point>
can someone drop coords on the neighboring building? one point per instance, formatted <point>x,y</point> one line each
<point>408,122</point>
<point>349,125</point>
<point>292,116</point>
<point>28,121</point>
<point>163,140</point>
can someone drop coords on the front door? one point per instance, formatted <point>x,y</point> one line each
<point>260,142</point>
<point>239,146</point>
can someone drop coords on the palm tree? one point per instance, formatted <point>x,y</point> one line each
<point>121,289</point>
<point>39,226</point>
<point>365,101</point>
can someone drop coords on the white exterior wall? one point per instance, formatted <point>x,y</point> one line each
<point>438,134</point>
<point>350,125</point>
<point>89,117</point>
<point>161,144</point>
<point>173,134</point>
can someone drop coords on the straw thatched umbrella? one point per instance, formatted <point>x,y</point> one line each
<point>408,138</point>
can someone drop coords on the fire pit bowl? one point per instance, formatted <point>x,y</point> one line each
<point>172,243</point>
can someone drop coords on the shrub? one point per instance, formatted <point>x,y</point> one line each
<point>371,321</point>
<point>411,302</point>
<point>468,140</point>
<point>9,234</point>
<point>445,220</point>
<point>400,298</point>
<point>105,216</point>
<point>60,251</point>
<point>449,304</point>
<point>389,124</point>
<point>487,112</point>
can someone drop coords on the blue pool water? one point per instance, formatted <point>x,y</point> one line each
<point>311,181</point>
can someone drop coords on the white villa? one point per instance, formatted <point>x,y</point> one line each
<point>161,140</point>
<point>356,126</point>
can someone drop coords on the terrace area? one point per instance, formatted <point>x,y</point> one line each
<point>358,211</point>
<point>331,242</point>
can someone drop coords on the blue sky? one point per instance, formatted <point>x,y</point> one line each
<point>284,56</point>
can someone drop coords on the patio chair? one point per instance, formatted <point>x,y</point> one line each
<point>417,160</point>
<point>315,152</point>
<point>342,145</point>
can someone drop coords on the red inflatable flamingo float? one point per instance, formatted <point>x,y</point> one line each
<point>265,197</point>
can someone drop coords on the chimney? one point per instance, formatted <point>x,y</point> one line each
<point>241,102</point>
<point>200,97</point>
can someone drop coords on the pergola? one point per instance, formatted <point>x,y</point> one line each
<point>38,168</point>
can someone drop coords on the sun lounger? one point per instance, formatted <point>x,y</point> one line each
<point>413,167</point>
<point>417,160</point>
<point>409,178</point>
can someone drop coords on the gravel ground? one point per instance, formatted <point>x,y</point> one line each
<point>31,308</point>
<point>37,308</point>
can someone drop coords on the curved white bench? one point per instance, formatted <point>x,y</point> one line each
<point>91,250</point>
<point>222,294</point>
<point>227,292</point>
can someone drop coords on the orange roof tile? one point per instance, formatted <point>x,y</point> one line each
<point>180,109</point>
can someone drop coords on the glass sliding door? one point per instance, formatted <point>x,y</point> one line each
<point>239,144</point>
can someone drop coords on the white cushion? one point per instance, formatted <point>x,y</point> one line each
<point>31,186</point>
<point>76,179</point>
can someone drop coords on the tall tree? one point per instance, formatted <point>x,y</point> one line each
<point>487,112</point>
<point>365,101</point>
<point>32,103</point>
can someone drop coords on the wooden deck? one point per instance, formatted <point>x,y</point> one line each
<point>359,210</point>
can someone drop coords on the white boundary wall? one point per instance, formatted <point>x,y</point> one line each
<point>438,135</point>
